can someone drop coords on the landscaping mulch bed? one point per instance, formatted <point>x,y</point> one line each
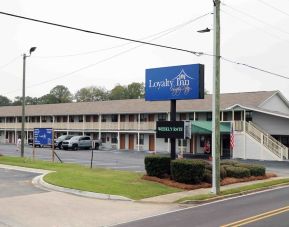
<point>226,181</point>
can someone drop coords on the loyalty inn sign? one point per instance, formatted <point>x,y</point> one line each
<point>175,83</point>
<point>170,129</point>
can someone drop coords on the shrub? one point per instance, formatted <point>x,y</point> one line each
<point>207,176</point>
<point>229,162</point>
<point>238,172</point>
<point>223,172</point>
<point>255,170</point>
<point>188,171</point>
<point>157,166</point>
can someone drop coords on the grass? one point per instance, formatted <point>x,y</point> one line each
<point>128,184</point>
<point>242,189</point>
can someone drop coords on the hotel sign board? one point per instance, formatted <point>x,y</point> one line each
<point>170,129</point>
<point>175,83</point>
<point>43,136</point>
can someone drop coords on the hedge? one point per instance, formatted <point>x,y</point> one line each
<point>188,171</point>
<point>255,170</point>
<point>157,166</point>
<point>237,172</point>
<point>229,162</point>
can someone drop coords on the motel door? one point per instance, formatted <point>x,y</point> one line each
<point>131,142</point>
<point>151,142</point>
<point>122,141</point>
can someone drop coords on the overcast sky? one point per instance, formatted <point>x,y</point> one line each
<point>252,32</point>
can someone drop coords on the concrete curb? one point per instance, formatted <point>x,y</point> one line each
<point>39,181</point>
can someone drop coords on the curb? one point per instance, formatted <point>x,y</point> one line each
<point>196,202</point>
<point>38,181</point>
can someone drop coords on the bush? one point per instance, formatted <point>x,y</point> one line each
<point>238,172</point>
<point>255,170</point>
<point>229,162</point>
<point>207,176</point>
<point>223,172</point>
<point>188,171</point>
<point>157,166</point>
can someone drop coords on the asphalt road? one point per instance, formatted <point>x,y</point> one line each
<point>225,212</point>
<point>15,183</point>
<point>113,159</point>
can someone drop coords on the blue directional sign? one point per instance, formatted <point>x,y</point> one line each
<point>175,83</point>
<point>43,136</point>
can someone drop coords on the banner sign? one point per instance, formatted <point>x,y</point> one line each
<point>170,129</point>
<point>43,136</point>
<point>175,83</point>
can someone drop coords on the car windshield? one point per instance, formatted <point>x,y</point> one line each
<point>74,138</point>
<point>62,137</point>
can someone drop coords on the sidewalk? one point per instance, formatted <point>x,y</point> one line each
<point>171,198</point>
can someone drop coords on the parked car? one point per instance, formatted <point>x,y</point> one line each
<point>58,142</point>
<point>77,142</point>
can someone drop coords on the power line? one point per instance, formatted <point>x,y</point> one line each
<point>103,34</point>
<point>10,62</point>
<point>255,18</point>
<point>159,35</point>
<point>256,27</point>
<point>273,7</point>
<point>254,67</point>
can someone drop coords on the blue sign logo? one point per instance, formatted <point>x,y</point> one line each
<point>43,136</point>
<point>175,83</point>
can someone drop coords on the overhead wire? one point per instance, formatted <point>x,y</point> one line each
<point>9,63</point>
<point>273,7</point>
<point>158,35</point>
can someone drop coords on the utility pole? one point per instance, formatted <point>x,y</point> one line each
<point>23,107</point>
<point>216,101</point>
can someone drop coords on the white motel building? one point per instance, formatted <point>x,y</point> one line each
<point>260,123</point>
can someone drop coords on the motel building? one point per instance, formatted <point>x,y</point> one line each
<point>258,120</point>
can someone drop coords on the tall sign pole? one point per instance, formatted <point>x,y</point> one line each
<point>23,107</point>
<point>173,118</point>
<point>216,100</point>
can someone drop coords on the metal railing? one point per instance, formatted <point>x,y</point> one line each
<point>268,141</point>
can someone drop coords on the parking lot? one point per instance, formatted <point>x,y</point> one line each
<point>113,159</point>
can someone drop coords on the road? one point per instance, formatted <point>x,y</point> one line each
<point>222,213</point>
<point>121,160</point>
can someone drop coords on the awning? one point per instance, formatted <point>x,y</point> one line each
<point>205,127</point>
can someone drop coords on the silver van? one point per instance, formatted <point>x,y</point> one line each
<point>77,142</point>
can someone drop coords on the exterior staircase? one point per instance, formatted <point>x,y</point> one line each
<point>266,142</point>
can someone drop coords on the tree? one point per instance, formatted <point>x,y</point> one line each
<point>47,99</point>
<point>118,92</point>
<point>4,101</point>
<point>60,94</point>
<point>135,90</point>
<point>28,101</point>
<point>91,94</point>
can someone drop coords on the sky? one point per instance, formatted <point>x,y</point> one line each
<point>253,32</point>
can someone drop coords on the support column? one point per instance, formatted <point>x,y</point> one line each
<point>173,140</point>
<point>99,126</point>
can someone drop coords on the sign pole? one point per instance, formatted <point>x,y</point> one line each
<point>173,118</point>
<point>52,145</point>
<point>33,146</point>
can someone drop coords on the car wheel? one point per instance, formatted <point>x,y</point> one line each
<point>74,147</point>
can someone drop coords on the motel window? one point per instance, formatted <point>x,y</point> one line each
<point>44,119</point>
<point>191,116</point>
<point>197,116</point>
<point>103,118</point>
<point>114,118</point>
<point>162,117</point>
<point>141,139</point>
<point>71,118</point>
<point>184,143</point>
<point>209,116</point>
<point>103,137</point>
<point>80,118</point>
<point>87,118</point>
<point>143,118</point>
<point>95,118</point>
<point>248,115</point>
<point>114,138</point>
<point>183,116</point>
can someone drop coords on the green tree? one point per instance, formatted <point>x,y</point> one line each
<point>135,90</point>
<point>60,94</point>
<point>47,99</point>
<point>28,101</point>
<point>91,94</point>
<point>4,101</point>
<point>118,92</point>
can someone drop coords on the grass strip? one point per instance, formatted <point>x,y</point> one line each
<point>114,182</point>
<point>237,190</point>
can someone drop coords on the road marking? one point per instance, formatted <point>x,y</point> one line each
<point>257,217</point>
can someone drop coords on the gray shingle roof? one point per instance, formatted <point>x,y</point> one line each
<point>249,99</point>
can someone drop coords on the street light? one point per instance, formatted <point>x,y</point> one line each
<point>32,49</point>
